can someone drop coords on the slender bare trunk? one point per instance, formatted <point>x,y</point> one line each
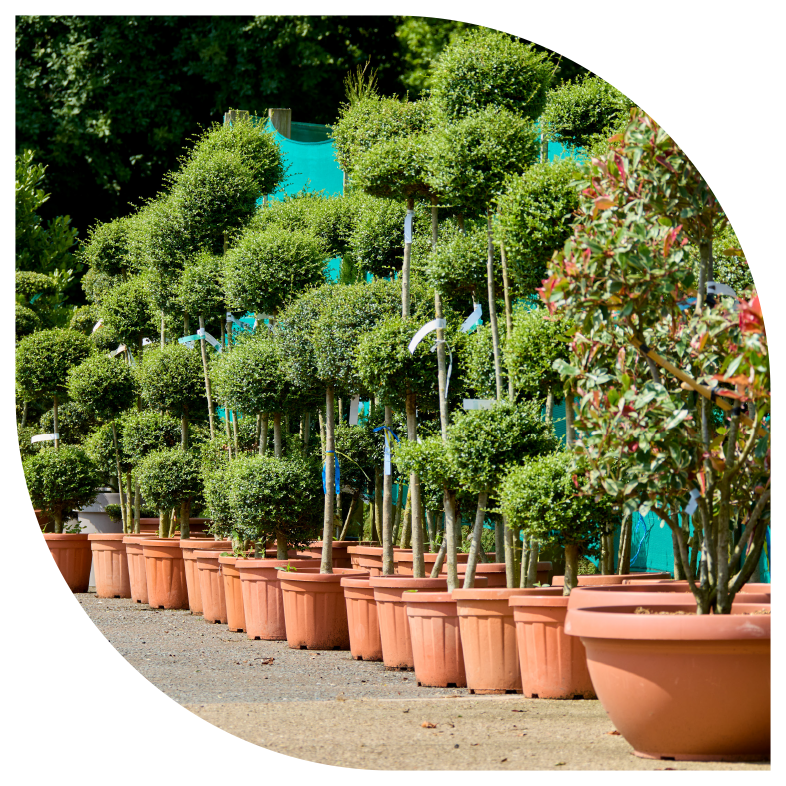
<point>493,306</point>
<point>326,566</point>
<point>550,405</point>
<point>352,507</point>
<point>277,435</point>
<point>208,391</point>
<point>571,568</point>
<point>184,429</point>
<point>508,309</point>
<point>477,532</point>
<point>418,564</point>
<point>234,433</point>
<point>569,434</point>
<point>626,530</point>
<point>499,540</point>
<point>123,512</point>
<point>510,566</point>
<point>532,568</point>
<point>185,515</point>
<point>306,430</point>
<point>387,509</point>
<point>56,424</point>
<point>137,506</point>
<point>405,269</point>
<point>129,497</point>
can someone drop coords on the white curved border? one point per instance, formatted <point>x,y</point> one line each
<point>438,10</point>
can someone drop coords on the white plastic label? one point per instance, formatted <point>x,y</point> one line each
<point>424,331</point>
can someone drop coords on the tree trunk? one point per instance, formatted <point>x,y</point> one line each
<point>550,405</point>
<point>626,531</point>
<point>508,309</point>
<point>163,523</point>
<point>569,436</point>
<point>398,511</point>
<point>163,331</point>
<point>431,527</point>
<point>277,435</point>
<point>185,515</point>
<point>387,509</point>
<point>56,425</point>
<point>418,564</point>
<point>499,540</point>
<point>263,423</point>
<point>24,414</point>
<point>184,429</point>
<point>440,560</point>
<point>326,566</point>
<point>532,567</point>
<point>130,522</point>
<point>493,306</point>
<point>306,430</point>
<point>234,433</point>
<point>510,566</point>
<point>450,538</point>
<point>281,547</point>
<point>352,508</point>
<point>477,532</point>
<point>405,267</point>
<point>123,514</point>
<point>208,391</point>
<point>137,506</point>
<point>571,568</point>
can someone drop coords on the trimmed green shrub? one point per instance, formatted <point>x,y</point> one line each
<point>61,481</point>
<point>199,290</point>
<point>585,112</point>
<point>26,322</point>
<point>74,422</point>
<point>100,446</point>
<point>395,168</point>
<point>106,247</point>
<point>44,358</point>
<point>266,268</point>
<point>95,285</point>
<point>103,386</point>
<point>376,243</point>
<point>359,451</point>
<point>171,378</point>
<point>127,311</point>
<point>30,284</point>
<point>536,212</point>
<point>486,67</point>
<point>479,359</point>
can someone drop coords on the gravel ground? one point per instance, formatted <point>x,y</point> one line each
<point>328,708</point>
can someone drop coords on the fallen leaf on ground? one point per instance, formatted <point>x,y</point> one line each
<point>265,661</point>
<point>427,725</point>
<point>501,761</point>
<point>614,732</point>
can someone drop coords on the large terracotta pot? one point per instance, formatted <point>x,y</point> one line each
<point>436,639</point>
<point>166,573</point>
<point>591,580</point>
<point>392,615</point>
<point>211,585</point>
<point>110,565</point>
<point>233,593</point>
<point>364,638</point>
<point>190,547</point>
<point>488,638</point>
<point>685,687</point>
<point>137,576</point>
<point>314,609</point>
<point>195,526</point>
<point>553,665</point>
<point>369,558</point>
<point>341,558</point>
<point>646,592</point>
<point>402,561</point>
<point>682,586</point>
<point>263,601</point>
<point>650,576</point>
<point>73,557</point>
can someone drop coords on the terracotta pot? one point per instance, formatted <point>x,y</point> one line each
<point>682,585</point>
<point>651,576</point>
<point>263,601</point>
<point>233,593</point>
<point>73,557</point>
<point>369,558</point>
<point>314,609</point>
<point>488,638</point>
<point>110,565</point>
<point>190,547</point>
<point>364,638</point>
<point>684,687</point>
<point>137,576</point>
<point>196,526</point>
<point>392,615</point>
<point>402,561</point>
<point>594,580</point>
<point>553,665</point>
<point>341,558</point>
<point>436,639</point>
<point>211,585</point>
<point>644,593</point>
<point>166,573</point>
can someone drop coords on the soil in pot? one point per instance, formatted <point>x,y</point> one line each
<point>263,601</point>
<point>110,565</point>
<point>685,687</point>
<point>73,557</point>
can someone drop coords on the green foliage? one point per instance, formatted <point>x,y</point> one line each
<point>103,386</point>
<point>485,68</point>
<point>536,343</point>
<point>482,444</point>
<point>106,247</point>
<point>43,360</point>
<point>249,379</point>
<point>95,285</point>
<point>24,434</point>
<point>74,422</point>
<point>172,378</point>
<point>396,168</point>
<point>199,291</point>
<point>376,243</point>
<point>540,496</point>
<point>266,268</point>
<point>127,310</point>
<point>431,462</point>
<point>147,431</point>
<point>272,498</point>
<point>100,447</point>
<point>471,158</point>
<point>41,248</point>
<point>26,321</point>
<point>371,119</point>
<point>536,212</point>
<point>169,476</point>
<point>585,112</point>
<point>258,150</point>
<point>29,284</point>
<point>359,451</point>
<point>327,218</point>
<point>479,359</point>
<point>214,192</point>
<point>60,481</point>
<point>729,264</point>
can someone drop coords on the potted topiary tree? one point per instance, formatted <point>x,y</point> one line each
<point>701,463</point>
<point>59,481</point>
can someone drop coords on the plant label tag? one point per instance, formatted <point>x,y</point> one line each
<point>44,437</point>
<point>690,508</point>
<point>121,348</point>
<point>354,406</point>
<point>408,226</point>
<point>472,319</point>
<point>478,403</point>
<point>97,325</point>
<point>424,331</point>
<point>146,341</point>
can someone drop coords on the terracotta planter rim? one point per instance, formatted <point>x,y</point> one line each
<point>428,597</point>
<point>118,536</point>
<point>65,536</point>
<point>619,622</point>
<point>356,582</point>
<point>489,593</point>
<point>325,578</point>
<point>407,582</point>
<point>207,545</point>
<point>210,554</point>
<point>272,563</point>
<point>539,600</point>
